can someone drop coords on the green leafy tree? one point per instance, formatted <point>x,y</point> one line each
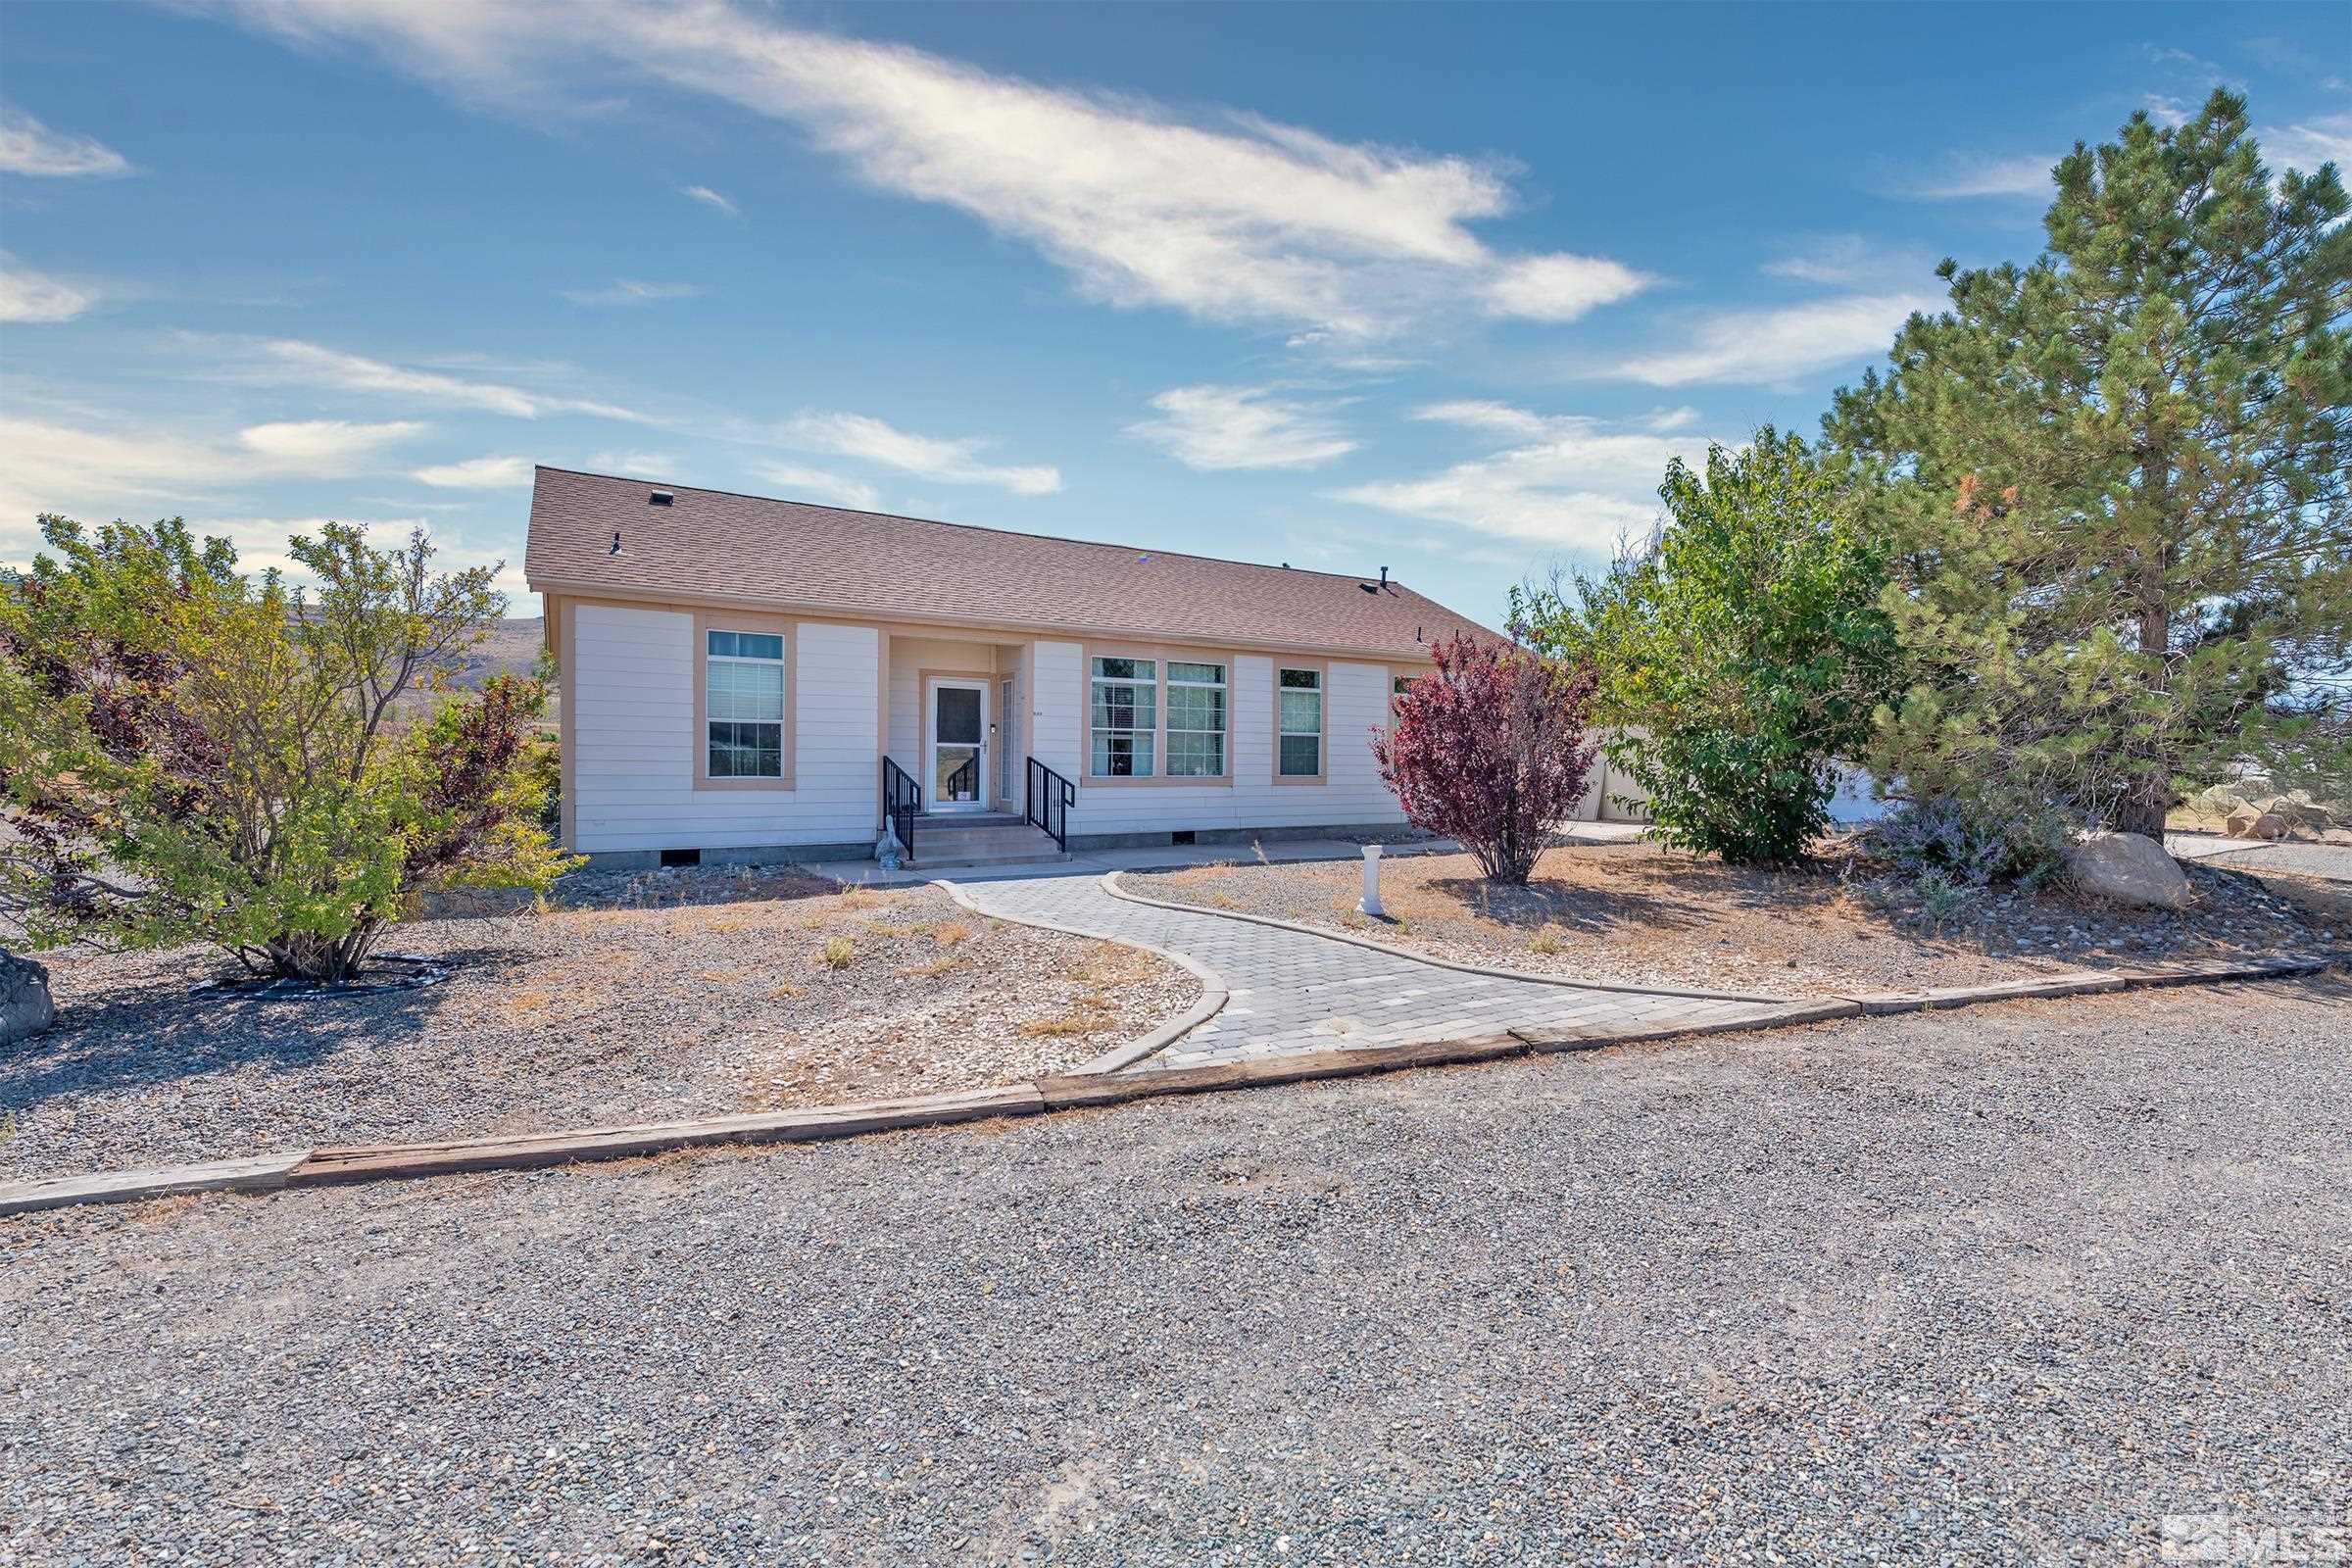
<point>2117,481</point>
<point>187,753</point>
<point>1742,654</point>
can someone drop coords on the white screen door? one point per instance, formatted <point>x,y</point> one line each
<point>1008,743</point>
<point>959,752</point>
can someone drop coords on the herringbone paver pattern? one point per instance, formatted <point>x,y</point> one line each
<point>1296,991</point>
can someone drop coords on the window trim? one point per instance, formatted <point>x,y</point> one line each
<point>1322,772</point>
<point>1160,655</point>
<point>1407,672</point>
<point>707,621</point>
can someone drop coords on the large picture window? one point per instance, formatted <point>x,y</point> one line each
<point>1196,720</point>
<point>743,705</point>
<point>1300,710</point>
<point>1124,716</point>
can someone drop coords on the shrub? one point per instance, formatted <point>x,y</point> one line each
<point>187,753</point>
<point>1954,841</point>
<point>1742,654</point>
<point>837,952</point>
<point>1491,751</point>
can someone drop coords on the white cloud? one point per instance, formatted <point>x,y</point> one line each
<point>630,463</point>
<point>1829,259</point>
<point>2309,143</point>
<point>1482,413</point>
<point>1682,419</point>
<point>711,198</point>
<point>476,473</point>
<point>1967,174</point>
<point>105,473</point>
<point>1243,427</point>
<point>801,484</point>
<point>953,461</point>
<point>1774,347</point>
<point>1571,483</point>
<point>1227,217</point>
<point>2167,110</point>
<point>29,147</point>
<point>1560,287</point>
<point>630,291</point>
<point>38,297</point>
<point>290,362</point>
<point>316,445</point>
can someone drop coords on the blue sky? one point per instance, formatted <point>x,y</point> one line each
<point>1436,288</point>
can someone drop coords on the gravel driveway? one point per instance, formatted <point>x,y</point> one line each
<point>2006,1282</point>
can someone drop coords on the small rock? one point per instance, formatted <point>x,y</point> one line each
<point>25,1007</point>
<point>2127,868</point>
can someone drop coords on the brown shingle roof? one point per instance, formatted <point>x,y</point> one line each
<point>714,545</point>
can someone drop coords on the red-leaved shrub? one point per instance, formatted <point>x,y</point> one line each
<point>1491,751</point>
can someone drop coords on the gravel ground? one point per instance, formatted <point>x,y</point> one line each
<point>645,999</point>
<point>2004,1283</point>
<point>1637,914</point>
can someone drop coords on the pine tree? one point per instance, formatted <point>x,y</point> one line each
<point>2116,479</point>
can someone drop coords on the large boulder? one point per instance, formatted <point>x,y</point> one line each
<point>25,1007</point>
<point>2247,822</point>
<point>2127,868</point>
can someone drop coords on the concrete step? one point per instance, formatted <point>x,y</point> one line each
<point>946,819</point>
<point>979,838</point>
<point>939,846</point>
<point>974,862</point>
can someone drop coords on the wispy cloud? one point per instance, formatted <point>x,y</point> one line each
<point>2309,144</point>
<point>630,291</point>
<point>1243,428</point>
<point>323,446</point>
<point>1774,347</point>
<point>711,198</point>
<point>1826,258</point>
<point>953,461</point>
<point>796,483</point>
<point>1967,175</point>
<point>110,472</point>
<point>291,362</point>
<point>476,473</point>
<point>29,147</point>
<point>31,296</point>
<point>1228,216</point>
<point>1567,480</point>
<point>630,463</point>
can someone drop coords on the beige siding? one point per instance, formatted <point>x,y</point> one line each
<point>632,723</point>
<point>1357,700</point>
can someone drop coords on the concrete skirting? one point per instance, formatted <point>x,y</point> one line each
<point>1087,1087</point>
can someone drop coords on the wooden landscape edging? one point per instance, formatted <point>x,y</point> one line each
<point>1071,1090</point>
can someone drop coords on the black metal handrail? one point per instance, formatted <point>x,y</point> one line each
<point>1048,803</point>
<point>964,781</point>
<point>902,802</point>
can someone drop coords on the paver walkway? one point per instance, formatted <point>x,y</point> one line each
<point>1294,990</point>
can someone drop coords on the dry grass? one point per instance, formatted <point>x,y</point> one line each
<point>930,970</point>
<point>950,933</point>
<point>1074,1023</point>
<point>1546,941</point>
<point>837,952</point>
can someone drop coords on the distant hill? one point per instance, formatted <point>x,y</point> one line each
<point>510,650</point>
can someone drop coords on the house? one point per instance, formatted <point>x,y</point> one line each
<point>749,680</point>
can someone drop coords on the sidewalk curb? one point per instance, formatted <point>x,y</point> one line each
<point>1082,1089</point>
<point>1214,993</point>
<point>1110,885</point>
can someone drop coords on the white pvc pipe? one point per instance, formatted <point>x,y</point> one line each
<point>1371,900</point>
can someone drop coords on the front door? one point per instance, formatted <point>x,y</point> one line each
<point>958,779</point>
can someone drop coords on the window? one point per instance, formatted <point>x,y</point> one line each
<point>743,703</point>
<point>1125,716</point>
<point>1299,694</point>
<point>1196,720</point>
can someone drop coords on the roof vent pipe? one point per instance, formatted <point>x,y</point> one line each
<point>615,550</point>
<point>1384,576</point>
